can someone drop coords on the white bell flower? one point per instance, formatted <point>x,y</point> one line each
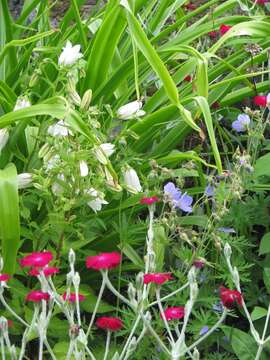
<point>104,151</point>
<point>97,201</point>
<point>130,110</point>
<point>4,135</point>
<point>24,180</point>
<point>69,55</point>
<point>132,181</point>
<point>83,168</point>
<point>57,189</point>
<point>22,103</point>
<point>59,129</point>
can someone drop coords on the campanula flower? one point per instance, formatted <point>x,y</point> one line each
<point>97,201</point>
<point>22,103</point>
<point>242,123</point>
<point>59,129</point>
<point>4,135</point>
<point>24,180</point>
<point>109,323</point>
<point>103,261</point>
<point>83,168</point>
<point>227,230</point>
<point>132,181</point>
<point>69,55</point>
<point>130,110</point>
<point>104,151</point>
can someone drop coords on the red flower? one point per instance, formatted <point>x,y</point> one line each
<point>4,277</point>
<point>72,297</point>
<point>149,200</point>
<point>190,6</point>
<point>48,271</point>
<point>188,78</point>
<point>230,297</point>
<point>103,261</point>
<point>213,34</point>
<point>260,100</point>
<point>37,259</point>
<point>224,28</point>
<point>262,2</point>
<point>199,263</point>
<point>37,296</point>
<point>109,323</point>
<point>175,312</point>
<point>157,278</point>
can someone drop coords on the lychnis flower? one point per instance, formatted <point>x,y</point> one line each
<point>130,110</point>
<point>37,296</point>
<point>174,313</point>
<point>262,100</point>
<point>103,261</point>
<point>36,259</point>
<point>149,200</point>
<point>69,55</point>
<point>109,323</point>
<point>157,278</point>
<point>72,297</point>
<point>47,271</point>
<point>177,199</point>
<point>230,297</point>
<point>132,181</point>
<point>242,123</point>
<point>224,28</point>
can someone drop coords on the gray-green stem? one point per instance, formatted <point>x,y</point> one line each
<point>107,348</point>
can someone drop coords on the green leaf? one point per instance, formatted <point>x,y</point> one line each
<point>9,220</point>
<point>244,346</point>
<point>261,167</point>
<point>133,256</point>
<point>265,244</point>
<point>258,313</point>
<point>160,242</point>
<point>266,278</point>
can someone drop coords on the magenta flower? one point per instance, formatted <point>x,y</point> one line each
<point>103,261</point>
<point>72,297</point>
<point>149,200</point>
<point>157,278</point>
<point>109,323</point>
<point>262,100</point>
<point>174,313</point>
<point>37,259</point>
<point>224,28</point>
<point>48,271</point>
<point>37,296</point>
<point>230,297</point>
<point>4,277</point>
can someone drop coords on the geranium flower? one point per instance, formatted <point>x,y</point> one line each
<point>48,271</point>
<point>262,100</point>
<point>130,110</point>
<point>209,190</point>
<point>230,297</point>
<point>173,313</point>
<point>204,330</point>
<point>224,28</point>
<point>4,277</point>
<point>226,230</point>
<point>149,200</point>
<point>69,55</point>
<point>242,123</point>
<point>103,261</point>
<point>177,199</point>
<point>37,296</point>
<point>157,278</point>
<point>109,323</point>
<point>72,297</point>
<point>37,259</point>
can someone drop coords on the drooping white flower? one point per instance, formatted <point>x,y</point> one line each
<point>130,110</point>
<point>97,201</point>
<point>104,151</point>
<point>59,129</point>
<point>57,189</point>
<point>21,103</point>
<point>4,135</point>
<point>83,168</point>
<point>70,54</point>
<point>132,181</point>
<point>24,180</point>
<point>53,162</point>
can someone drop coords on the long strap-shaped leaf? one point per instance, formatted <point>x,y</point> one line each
<point>204,107</point>
<point>156,63</point>
<point>9,217</point>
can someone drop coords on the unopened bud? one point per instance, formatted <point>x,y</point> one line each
<point>44,150</point>
<point>227,251</point>
<point>75,97</point>
<point>86,100</point>
<point>76,280</point>
<point>71,257</point>
<point>196,354</point>
<point>1,263</point>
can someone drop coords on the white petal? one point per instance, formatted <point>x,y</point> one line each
<point>129,110</point>
<point>83,168</point>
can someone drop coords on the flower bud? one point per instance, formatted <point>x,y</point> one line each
<point>76,280</point>
<point>139,280</point>
<point>24,180</point>
<point>43,152</point>
<point>75,97</point>
<point>4,135</point>
<point>196,354</point>
<point>86,100</point>
<point>227,251</point>
<point>83,168</point>
<point>71,257</point>
<point>1,264</point>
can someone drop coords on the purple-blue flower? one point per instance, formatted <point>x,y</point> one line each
<point>242,123</point>
<point>178,200</point>
<point>204,330</point>
<point>209,190</point>
<point>227,230</point>
<point>218,307</point>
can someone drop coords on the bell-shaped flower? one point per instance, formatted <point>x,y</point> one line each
<point>103,152</point>
<point>132,181</point>
<point>59,129</point>
<point>130,110</point>
<point>97,201</point>
<point>69,55</point>
<point>24,180</point>
<point>4,135</point>
<point>83,168</point>
<point>21,103</point>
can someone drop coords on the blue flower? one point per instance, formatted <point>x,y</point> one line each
<point>209,190</point>
<point>218,307</point>
<point>204,330</point>
<point>242,123</point>
<point>178,200</point>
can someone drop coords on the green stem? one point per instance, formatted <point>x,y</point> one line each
<point>107,348</point>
